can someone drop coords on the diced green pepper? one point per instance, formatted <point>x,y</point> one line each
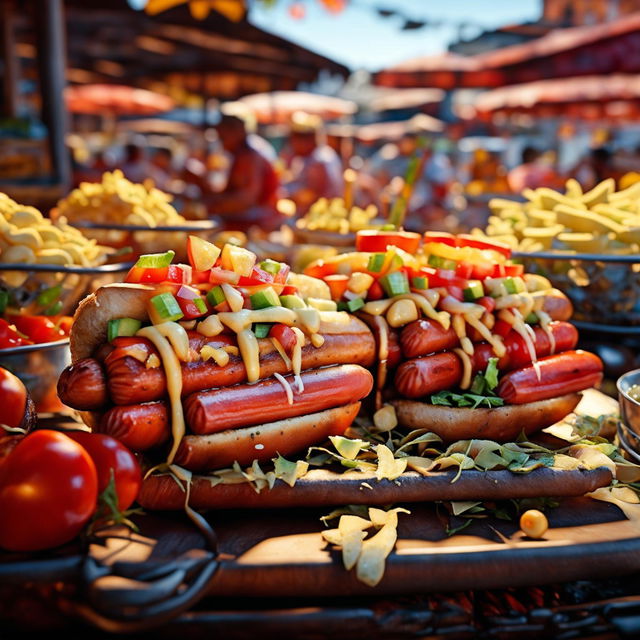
<point>122,327</point>
<point>510,285</point>
<point>165,308</point>
<point>442,263</point>
<point>420,282</point>
<point>376,262</point>
<point>49,296</point>
<point>155,260</point>
<point>215,296</point>
<point>351,305</point>
<point>292,302</point>
<point>265,298</point>
<point>395,283</point>
<point>201,305</point>
<point>474,291</point>
<point>270,266</point>
<point>261,329</point>
<point>532,318</point>
<point>54,309</point>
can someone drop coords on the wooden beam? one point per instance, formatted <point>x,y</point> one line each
<point>50,32</point>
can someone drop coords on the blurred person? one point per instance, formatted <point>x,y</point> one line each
<point>250,195</point>
<point>594,168</point>
<point>134,165</point>
<point>162,170</point>
<point>314,169</point>
<point>532,172</point>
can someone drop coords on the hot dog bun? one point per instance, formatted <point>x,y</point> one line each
<point>501,424</point>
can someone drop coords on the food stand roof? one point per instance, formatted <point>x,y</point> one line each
<point>108,41</point>
<point>599,49</point>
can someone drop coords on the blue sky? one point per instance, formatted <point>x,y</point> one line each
<point>359,38</point>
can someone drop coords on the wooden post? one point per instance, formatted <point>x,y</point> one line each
<point>50,31</point>
<point>9,106</point>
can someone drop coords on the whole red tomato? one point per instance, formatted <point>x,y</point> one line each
<point>108,453</point>
<point>13,399</point>
<point>48,492</point>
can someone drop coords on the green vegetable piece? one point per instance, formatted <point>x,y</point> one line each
<point>388,227</point>
<point>54,309</point>
<point>261,329</point>
<point>442,263</point>
<point>510,285</point>
<point>532,318</point>
<point>347,447</point>
<point>395,283</point>
<point>166,307</point>
<point>49,296</point>
<point>474,291</point>
<point>215,296</point>
<point>351,305</point>
<point>491,374</point>
<point>201,305</point>
<point>122,327</point>
<point>271,266</point>
<point>420,282</point>
<point>155,260</point>
<point>376,262</point>
<point>4,300</point>
<point>292,302</point>
<point>265,298</point>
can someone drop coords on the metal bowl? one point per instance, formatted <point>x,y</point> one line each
<point>149,239</point>
<point>604,288</point>
<point>629,426</point>
<point>39,366</point>
<point>28,284</point>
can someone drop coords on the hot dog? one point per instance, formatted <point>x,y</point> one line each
<point>418,377</point>
<point>463,309</point>
<point>204,374</point>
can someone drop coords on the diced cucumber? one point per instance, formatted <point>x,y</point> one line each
<point>122,327</point>
<point>510,285</point>
<point>395,283</point>
<point>261,329</point>
<point>351,305</point>
<point>270,266</point>
<point>420,282</point>
<point>215,296</point>
<point>474,291</point>
<point>156,260</point>
<point>264,298</point>
<point>292,302</point>
<point>442,263</point>
<point>376,262</point>
<point>164,308</point>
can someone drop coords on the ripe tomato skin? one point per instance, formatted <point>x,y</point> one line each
<point>13,399</point>
<point>48,492</point>
<point>285,336</point>
<point>379,240</point>
<point>108,453</point>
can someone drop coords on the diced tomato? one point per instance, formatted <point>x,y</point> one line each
<point>375,291</point>
<point>447,278</point>
<point>482,270</point>
<point>378,241</point>
<point>200,277</point>
<point>179,273</point>
<point>464,269</point>
<point>188,298</point>
<point>487,302</point>
<point>10,337</point>
<point>337,285</point>
<point>501,328</point>
<point>144,275</point>
<point>440,236</point>
<point>499,271</point>
<point>38,329</point>
<point>467,240</point>
<point>320,269</point>
<point>289,290</point>
<point>219,276</point>
<point>285,336</point>
<point>514,270</point>
<point>283,274</point>
<point>258,276</point>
